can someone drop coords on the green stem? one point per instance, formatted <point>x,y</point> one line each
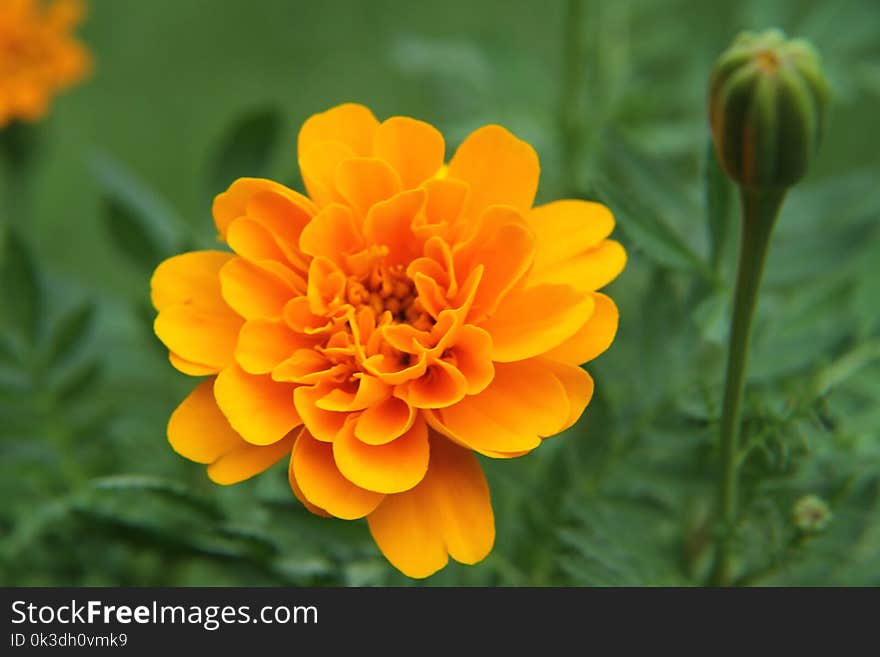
<point>760,208</point>
<point>570,122</point>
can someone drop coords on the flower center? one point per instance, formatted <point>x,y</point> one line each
<point>389,289</point>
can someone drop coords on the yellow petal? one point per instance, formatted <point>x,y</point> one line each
<point>413,148</point>
<point>472,356</point>
<point>586,272</point>
<point>233,203</point>
<point>198,430</point>
<point>578,386</point>
<point>440,386</point>
<point>323,425</point>
<point>393,467</point>
<point>389,223</point>
<point>253,291</point>
<point>593,338</point>
<point>260,409</point>
<point>297,491</point>
<point>247,460</point>
<point>193,369</point>
<point>191,279</point>
<point>384,421</point>
<point>318,168</point>
<point>351,124</point>
<point>323,485</point>
<point>331,233</point>
<point>531,321</point>
<point>364,181</point>
<point>252,240</point>
<point>263,344</point>
<point>201,337</point>
<point>499,168</point>
<point>449,512</point>
<point>567,228</point>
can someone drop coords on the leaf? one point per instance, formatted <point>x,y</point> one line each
<point>164,487</point>
<point>719,207</point>
<point>78,382</point>
<point>246,149</point>
<point>22,288</point>
<point>140,224</point>
<point>71,333</point>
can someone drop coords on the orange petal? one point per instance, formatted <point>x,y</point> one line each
<point>594,337</point>
<point>472,355</point>
<point>193,369</point>
<point>446,200</point>
<point>191,279</point>
<point>369,391</point>
<point>364,181</point>
<point>505,247</point>
<point>198,336</point>
<point>531,321</point>
<point>318,169</point>
<point>440,386</point>
<point>567,228</point>
<point>247,460</point>
<point>285,218</point>
<point>413,148</point>
<point>384,421</point>
<point>322,425</point>
<point>233,203</point>
<point>389,223</point>
<point>578,386</point>
<point>253,291</point>
<point>351,124</point>
<point>586,272</point>
<point>390,468</point>
<point>253,241</point>
<point>198,430</point>
<point>449,512</point>
<point>323,485</point>
<point>260,409</point>
<point>297,491</point>
<point>265,343</point>
<point>499,168</point>
<point>331,233</point>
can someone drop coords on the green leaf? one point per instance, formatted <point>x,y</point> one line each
<point>172,490</point>
<point>246,149</point>
<point>71,333</point>
<point>79,381</point>
<point>139,223</point>
<point>22,288</point>
<point>719,207</point>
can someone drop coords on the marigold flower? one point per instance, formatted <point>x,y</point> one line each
<point>38,55</point>
<point>404,315</point>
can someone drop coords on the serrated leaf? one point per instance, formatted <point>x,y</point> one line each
<point>131,236</point>
<point>70,334</point>
<point>21,287</point>
<point>165,487</point>
<point>246,149</point>
<point>78,382</point>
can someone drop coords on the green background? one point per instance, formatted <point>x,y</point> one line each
<point>123,175</point>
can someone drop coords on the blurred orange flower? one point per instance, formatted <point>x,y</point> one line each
<point>404,315</point>
<point>38,55</point>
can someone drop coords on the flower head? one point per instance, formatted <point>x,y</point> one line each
<point>38,55</point>
<point>403,315</point>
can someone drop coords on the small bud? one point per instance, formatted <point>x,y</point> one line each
<point>811,514</point>
<point>767,100</point>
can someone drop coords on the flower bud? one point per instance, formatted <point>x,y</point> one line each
<point>767,98</point>
<point>811,514</point>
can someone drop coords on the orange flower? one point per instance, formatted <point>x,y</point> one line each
<point>38,55</point>
<point>379,331</point>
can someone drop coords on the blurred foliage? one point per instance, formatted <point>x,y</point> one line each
<point>122,176</point>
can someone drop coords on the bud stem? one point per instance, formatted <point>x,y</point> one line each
<point>760,207</point>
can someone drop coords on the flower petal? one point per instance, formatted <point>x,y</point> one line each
<point>322,425</point>
<point>233,203</point>
<point>193,369</point>
<point>198,336</point>
<point>389,223</point>
<point>586,272</point>
<point>191,279</point>
<point>323,485</point>
<point>263,344</point>
<point>578,386</point>
<point>449,512</point>
<point>472,355</point>
<point>413,148</point>
<point>331,233</point>
<point>499,168</point>
<point>247,460</point>
<point>393,467</point>
<point>567,228</point>
<point>254,291</point>
<point>594,337</point>
<point>364,181</point>
<point>385,421</point>
<point>531,321</point>
<point>260,409</point>
<point>351,124</point>
<point>440,386</point>
<point>198,430</point>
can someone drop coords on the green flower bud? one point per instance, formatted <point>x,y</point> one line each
<point>767,100</point>
<point>811,514</point>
